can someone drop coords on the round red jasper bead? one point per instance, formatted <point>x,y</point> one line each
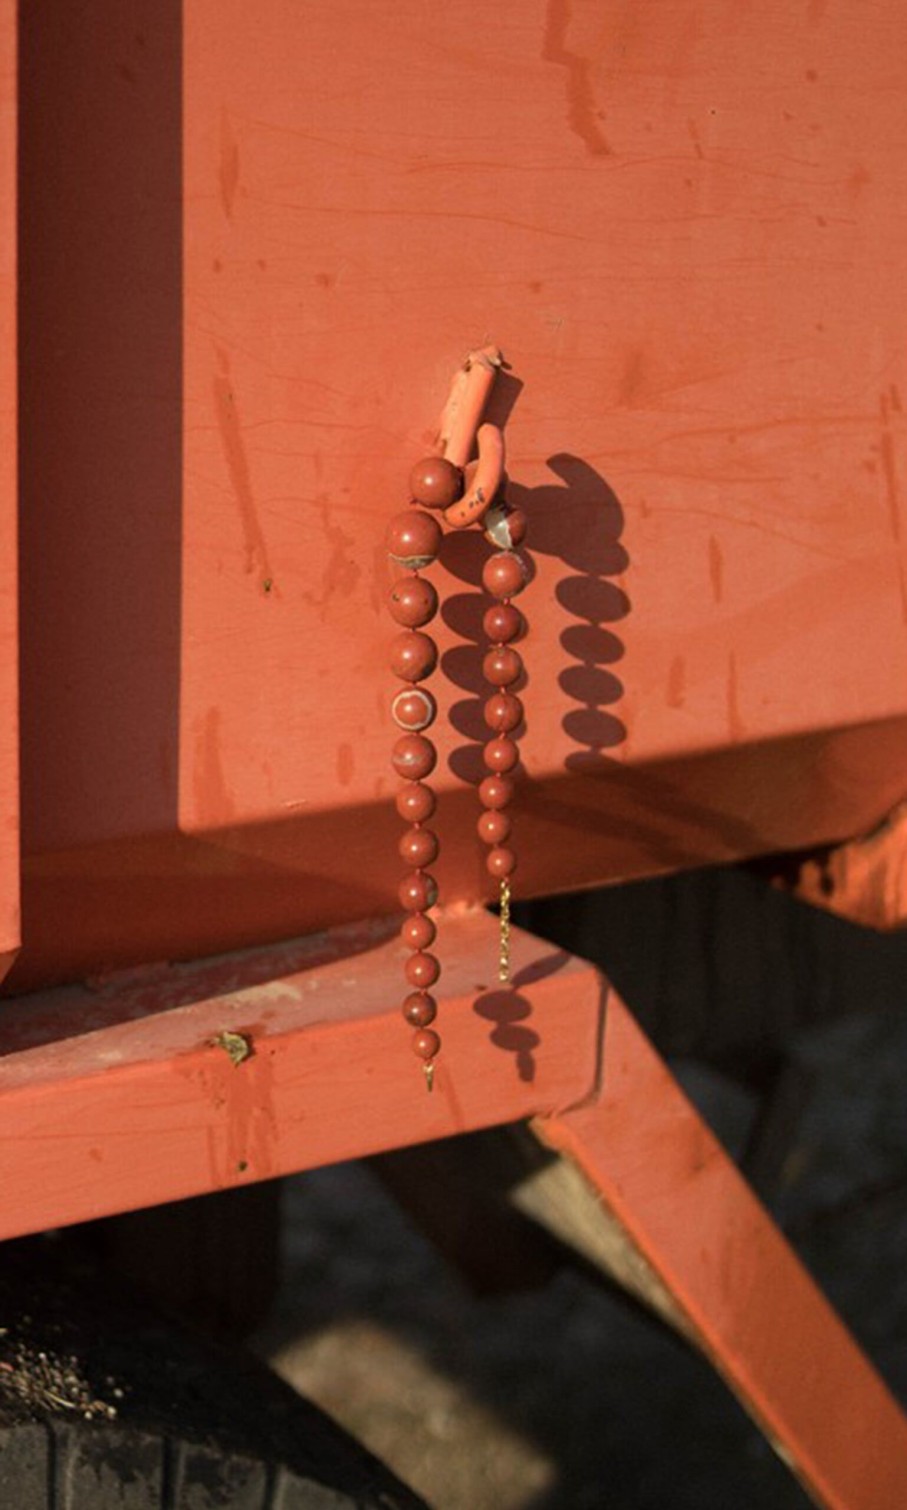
<point>494,827</point>
<point>418,891</point>
<point>435,482</point>
<point>419,847</point>
<point>504,574</point>
<point>416,802</point>
<point>500,863</point>
<point>413,709</point>
<point>426,1043</point>
<point>420,1009</point>
<point>418,931</point>
<point>413,756</point>
<point>502,623</point>
<point>422,970</point>
<point>503,712</point>
<point>413,601</point>
<point>413,539</point>
<point>413,656</point>
<point>495,791</point>
<point>500,754</point>
<point>502,666</point>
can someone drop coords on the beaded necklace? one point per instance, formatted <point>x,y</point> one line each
<point>461,494</point>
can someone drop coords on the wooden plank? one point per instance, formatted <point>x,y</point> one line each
<point>9,627</point>
<point>121,1097</point>
<point>740,1291</point>
<point>250,273</point>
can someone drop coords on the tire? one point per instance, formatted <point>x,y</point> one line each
<point>104,1406</point>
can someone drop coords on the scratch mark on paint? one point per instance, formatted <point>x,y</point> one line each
<point>346,764</point>
<point>213,803</point>
<point>891,484</point>
<point>857,180</point>
<point>677,676</point>
<point>380,578</point>
<point>735,725</point>
<point>902,585</point>
<point>228,169</point>
<point>240,478</point>
<point>716,569</point>
<point>893,496</point>
<point>693,131</point>
<point>632,379</point>
<point>341,574</point>
<point>889,470</point>
<point>581,111</point>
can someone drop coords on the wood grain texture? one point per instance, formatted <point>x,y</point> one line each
<point>684,223</point>
<point>9,627</point>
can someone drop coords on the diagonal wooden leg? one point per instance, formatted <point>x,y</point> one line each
<point>739,1291</point>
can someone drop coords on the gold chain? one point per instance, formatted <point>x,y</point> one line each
<point>504,960</point>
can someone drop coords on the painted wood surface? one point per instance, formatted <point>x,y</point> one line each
<point>9,625</point>
<point>124,1094</point>
<point>684,222</point>
<point>864,879</point>
<point>740,1291</point>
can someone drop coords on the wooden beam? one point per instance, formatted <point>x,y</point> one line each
<point>126,1095</point>
<point>10,844</point>
<point>739,1290</point>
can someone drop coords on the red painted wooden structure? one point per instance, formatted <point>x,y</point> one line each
<point>250,251</point>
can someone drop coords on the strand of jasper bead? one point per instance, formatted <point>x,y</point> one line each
<point>504,575</point>
<point>413,540</point>
<point>436,483</point>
